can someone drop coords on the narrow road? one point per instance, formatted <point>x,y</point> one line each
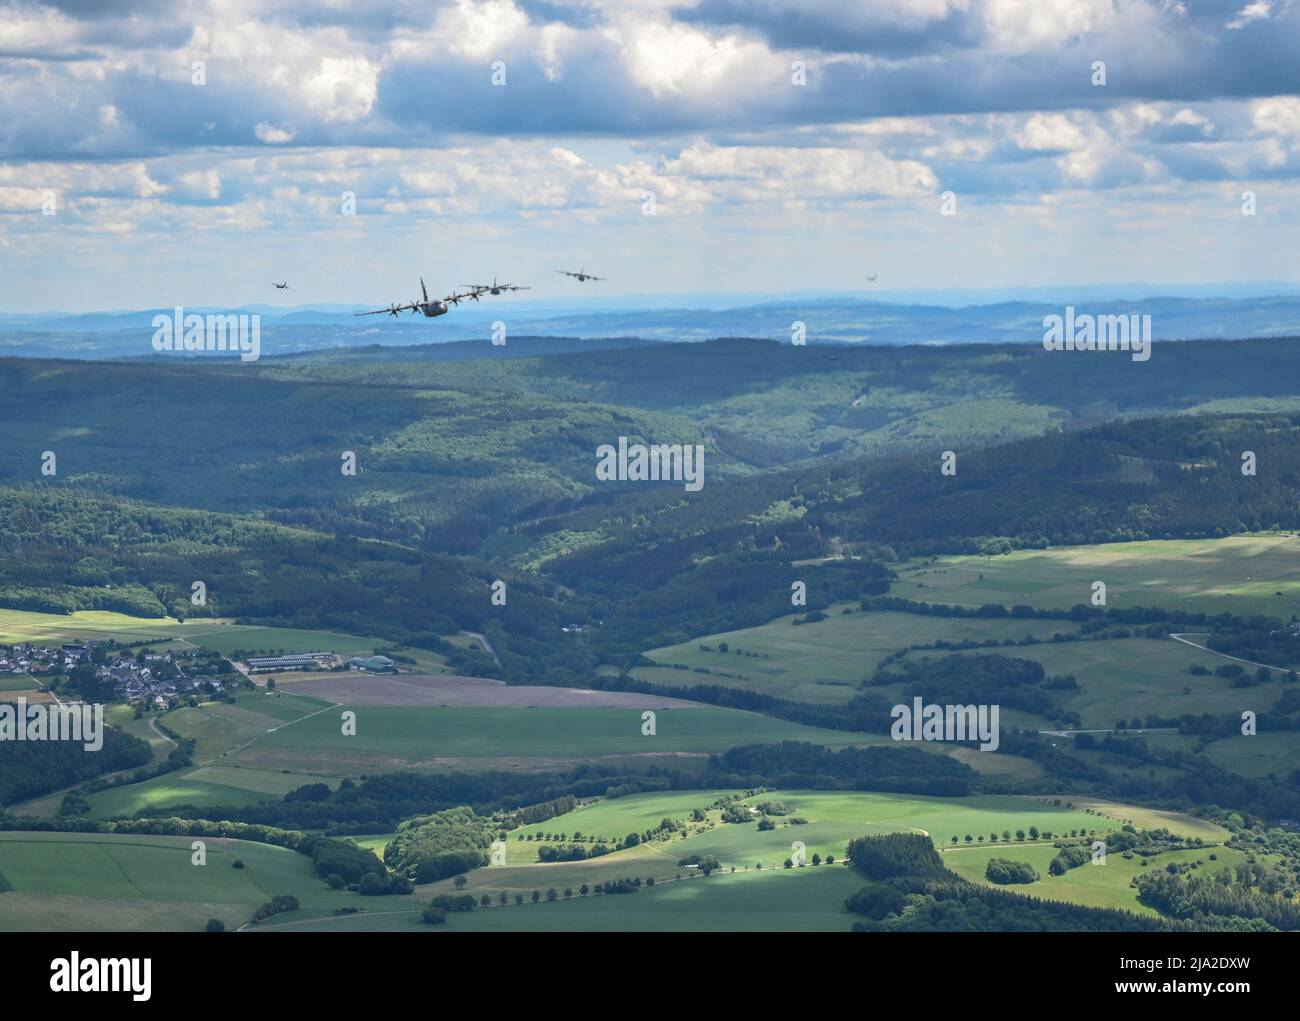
<point>1111,730</point>
<point>153,725</point>
<point>486,644</point>
<point>1235,659</point>
<point>40,686</point>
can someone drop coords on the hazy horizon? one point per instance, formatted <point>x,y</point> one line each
<point>951,298</point>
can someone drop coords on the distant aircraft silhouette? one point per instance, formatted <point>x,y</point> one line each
<point>579,276</point>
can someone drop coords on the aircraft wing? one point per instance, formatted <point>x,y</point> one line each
<point>392,309</point>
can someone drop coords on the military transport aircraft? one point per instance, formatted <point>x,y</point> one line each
<point>427,308</point>
<point>579,276</point>
<point>495,288</point>
<point>280,287</point>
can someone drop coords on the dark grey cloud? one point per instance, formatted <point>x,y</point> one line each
<point>546,12</point>
<point>371,22</point>
<point>839,27</point>
<point>594,95</point>
<point>53,55</point>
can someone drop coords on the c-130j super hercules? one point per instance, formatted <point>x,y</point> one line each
<point>426,307</point>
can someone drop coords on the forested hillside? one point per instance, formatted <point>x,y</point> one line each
<point>460,457</point>
<point>469,459</point>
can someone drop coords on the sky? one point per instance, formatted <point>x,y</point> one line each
<point>181,152</point>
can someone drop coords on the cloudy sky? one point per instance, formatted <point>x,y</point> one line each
<point>194,151</point>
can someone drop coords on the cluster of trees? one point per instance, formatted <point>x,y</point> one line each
<point>341,858</point>
<point>375,885</point>
<point>542,811</point>
<point>448,843</point>
<point>32,768</point>
<point>986,679</point>
<point>454,902</point>
<point>278,904</point>
<point>1216,899</point>
<point>738,813</point>
<point>895,854</point>
<point>570,852</point>
<point>1261,641</point>
<point>1070,857</point>
<point>706,863</point>
<point>954,905</point>
<point>1004,871</point>
<point>801,764</point>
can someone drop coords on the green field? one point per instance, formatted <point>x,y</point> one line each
<point>832,820</point>
<point>205,787</point>
<point>826,660</point>
<point>115,882</point>
<point>219,728</point>
<point>402,736</point>
<point>268,743</point>
<point>1099,886</point>
<point>835,819</point>
<point>1259,755</point>
<point>1124,678</point>
<point>1238,574</point>
<point>801,900</point>
<point>612,819</point>
<point>221,637</point>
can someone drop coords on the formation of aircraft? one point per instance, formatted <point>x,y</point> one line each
<point>426,307</point>
<point>429,307</point>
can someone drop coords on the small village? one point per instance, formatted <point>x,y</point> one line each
<point>99,669</point>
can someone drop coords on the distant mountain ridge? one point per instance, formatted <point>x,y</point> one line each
<point>826,319</point>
